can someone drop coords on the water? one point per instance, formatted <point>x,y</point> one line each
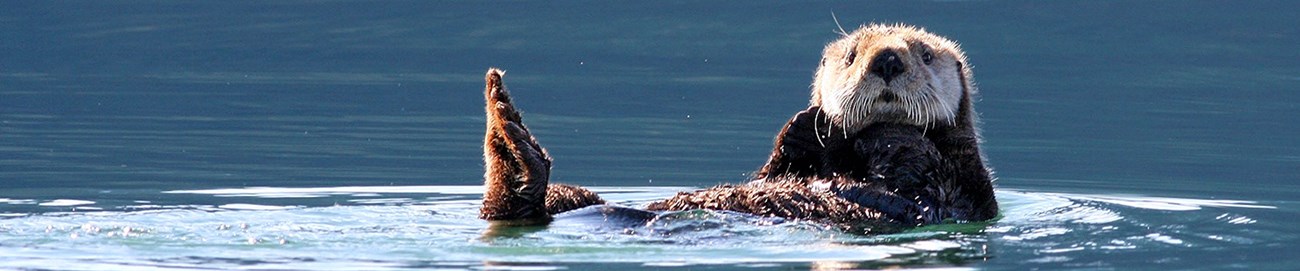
<point>288,135</point>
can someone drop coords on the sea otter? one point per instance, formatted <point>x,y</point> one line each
<point>889,139</point>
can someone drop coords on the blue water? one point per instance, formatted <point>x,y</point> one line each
<point>346,135</point>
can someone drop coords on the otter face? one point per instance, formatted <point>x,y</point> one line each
<point>897,73</point>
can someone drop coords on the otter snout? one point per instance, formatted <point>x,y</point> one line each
<point>887,64</point>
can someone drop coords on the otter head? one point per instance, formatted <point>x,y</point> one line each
<point>891,73</point>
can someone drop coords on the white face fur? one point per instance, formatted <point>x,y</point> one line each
<point>925,92</point>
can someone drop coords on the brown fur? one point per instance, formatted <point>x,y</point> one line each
<point>562,198</point>
<point>781,199</point>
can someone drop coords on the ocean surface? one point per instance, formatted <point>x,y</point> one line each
<point>339,135</point>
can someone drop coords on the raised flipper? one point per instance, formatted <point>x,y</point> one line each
<point>801,147</point>
<point>517,168</point>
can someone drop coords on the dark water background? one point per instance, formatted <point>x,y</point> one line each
<point>1087,103</point>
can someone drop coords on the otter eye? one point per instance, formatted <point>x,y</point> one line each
<point>848,59</point>
<point>927,57</point>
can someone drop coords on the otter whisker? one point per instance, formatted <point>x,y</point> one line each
<point>918,116</point>
<point>920,109</point>
<point>937,103</point>
<point>837,24</point>
<point>844,131</point>
<point>910,107</point>
<point>948,113</point>
<point>852,108</point>
<point>852,111</point>
<point>869,104</point>
<point>816,130</point>
<point>928,107</point>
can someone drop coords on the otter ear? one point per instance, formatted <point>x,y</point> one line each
<point>965,118</point>
<point>964,75</point>
<point>961,73</point>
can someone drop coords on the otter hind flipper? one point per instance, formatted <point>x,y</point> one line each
<point>515,166</point>
<point>518,169</point>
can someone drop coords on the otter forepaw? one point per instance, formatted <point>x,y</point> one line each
<point>801,144</point>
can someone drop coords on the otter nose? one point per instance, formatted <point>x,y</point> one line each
<point>887,65</point>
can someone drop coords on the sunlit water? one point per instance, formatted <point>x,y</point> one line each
<point>346,135</point>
